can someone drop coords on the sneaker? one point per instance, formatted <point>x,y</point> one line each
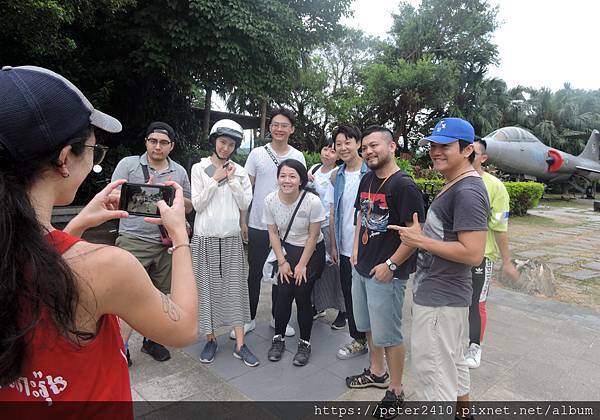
<point>318,314</point>
<point>157,351</point>
<point>367,379</point>
<point>473,356</point>
<point>352,349</point>
<point>129,362</point>
<point>209,351</point>
<point>245,355</point>
<point>303,354</point>
<point>289,330</point>
<point>340,321</point>
<point>277,348</point>
<point>248,326</point>
<point>390,405</point>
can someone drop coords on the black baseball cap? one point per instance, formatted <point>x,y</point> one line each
<point>161,127</point>
<point>40,111</point>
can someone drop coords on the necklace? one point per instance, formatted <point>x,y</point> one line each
<point>365,235</point>
<point>459,175</point>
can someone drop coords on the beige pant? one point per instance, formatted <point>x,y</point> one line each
<point>439,338</point>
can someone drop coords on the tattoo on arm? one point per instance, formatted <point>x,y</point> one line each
<point>169,308</point>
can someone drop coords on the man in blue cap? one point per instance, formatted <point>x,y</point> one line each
<point>451,242</point>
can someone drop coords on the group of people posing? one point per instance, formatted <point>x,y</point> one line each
<point>342,236</point>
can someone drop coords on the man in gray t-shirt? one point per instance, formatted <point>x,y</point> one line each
<point>142,239</point>
<point>452,241</point>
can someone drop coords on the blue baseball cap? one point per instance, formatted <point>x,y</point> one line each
<point>40,111</point>
<point>449,130</point>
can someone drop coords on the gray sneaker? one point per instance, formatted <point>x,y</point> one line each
<point>209,351</point>
<point>352,349</point>
<point>245,355</point>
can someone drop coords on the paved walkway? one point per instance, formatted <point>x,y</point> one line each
<point>534,349</point>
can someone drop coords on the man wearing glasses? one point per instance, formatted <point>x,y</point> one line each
<point>261,166</point>
<point>142,239</point>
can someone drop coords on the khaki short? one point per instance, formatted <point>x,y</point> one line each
<point>153,256</point>
<point>440,336</point>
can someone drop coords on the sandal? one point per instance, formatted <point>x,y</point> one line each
<point>367,379</point>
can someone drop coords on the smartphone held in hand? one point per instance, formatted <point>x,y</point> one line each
<point>141,199</point>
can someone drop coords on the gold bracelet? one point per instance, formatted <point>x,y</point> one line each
<point>173,248</point>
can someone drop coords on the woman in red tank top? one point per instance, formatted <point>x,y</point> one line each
<point>61,297</point>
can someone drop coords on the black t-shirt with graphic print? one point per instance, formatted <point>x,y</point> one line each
<point>392,203</point>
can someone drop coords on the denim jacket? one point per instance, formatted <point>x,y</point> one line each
<point>338,190</point>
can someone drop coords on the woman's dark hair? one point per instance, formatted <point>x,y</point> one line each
<point>34,275</point>
<point>349,131</point>
<point>462,144</point>
<point>302,172</point>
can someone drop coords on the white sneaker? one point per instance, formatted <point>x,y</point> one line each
<point>473,356</point>
<point>249,326</point>
<point>289,331</point>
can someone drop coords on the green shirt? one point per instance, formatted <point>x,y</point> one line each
<point>499,211</point>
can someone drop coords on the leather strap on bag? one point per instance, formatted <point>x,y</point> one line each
<point>292,218</point>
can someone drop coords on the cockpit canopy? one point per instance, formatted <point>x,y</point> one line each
<point>513,134</point>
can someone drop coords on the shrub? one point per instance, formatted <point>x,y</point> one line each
<point>523,196</point>
<point>312,158</point>
<point>406,166</point>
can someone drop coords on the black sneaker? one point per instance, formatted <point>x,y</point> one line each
<point>303,354</point>
<point>277,349</point>
<point>129,362</point>
<point>157,351</point>
<point>340,321</point>
<point>390,405</point>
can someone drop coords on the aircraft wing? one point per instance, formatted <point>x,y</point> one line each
<point>583,168</point>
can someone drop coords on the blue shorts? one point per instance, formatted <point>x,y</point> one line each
<point>377,308</point>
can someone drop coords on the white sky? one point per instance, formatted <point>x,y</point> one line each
<point>540,42</point>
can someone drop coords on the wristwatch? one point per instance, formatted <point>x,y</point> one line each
<point>391,265</point>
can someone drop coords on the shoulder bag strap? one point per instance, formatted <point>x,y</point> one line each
<point>292,218</point>
<point>271,155</point>
<point>146,173</point>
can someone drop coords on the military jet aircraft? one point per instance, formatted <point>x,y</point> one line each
<point>516,151</point>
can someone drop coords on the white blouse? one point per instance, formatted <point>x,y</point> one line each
<point>218,205</point>
<point>278,213</point>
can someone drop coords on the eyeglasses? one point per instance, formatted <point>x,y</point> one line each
<point>163,143</point>
<point>280,125</point>
<point>99,152</point>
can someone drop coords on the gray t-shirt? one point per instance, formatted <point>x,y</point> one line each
<point>130,168</point>
<point>439,282</point>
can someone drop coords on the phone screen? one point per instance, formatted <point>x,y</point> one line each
<point>140,199</point>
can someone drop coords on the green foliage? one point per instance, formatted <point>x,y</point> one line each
<point>405,165</point>
<point>523,196</point>
<point>437,183</point>
<point>312,158</point>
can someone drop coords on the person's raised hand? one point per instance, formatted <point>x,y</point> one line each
<point>220,173</point>
<point>172,217</point>
<point>104,206</point>
<point>230,170</point>
<point>410,236</point>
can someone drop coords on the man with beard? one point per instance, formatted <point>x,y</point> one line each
<point>382,264</point>
<point>142,239</point>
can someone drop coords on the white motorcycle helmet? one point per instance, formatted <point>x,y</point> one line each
<point>227,128</point>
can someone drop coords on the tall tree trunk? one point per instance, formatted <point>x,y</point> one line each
<point>206,120</point>
<point>263,118</point>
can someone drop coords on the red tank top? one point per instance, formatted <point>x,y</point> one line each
<point>58,370</point>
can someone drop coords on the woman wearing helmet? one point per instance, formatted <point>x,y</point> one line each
<point>220,190</point>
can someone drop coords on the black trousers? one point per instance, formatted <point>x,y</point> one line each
<point>258,250</point>
<point>346,282</point>
<point>288,292</point>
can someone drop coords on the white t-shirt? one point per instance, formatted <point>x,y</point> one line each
<point>278,213</point>
<point>260,165</point>
<point>321,185</point>
<point>347,208</point>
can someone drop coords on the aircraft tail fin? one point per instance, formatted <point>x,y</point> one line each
<point>592,148</point>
